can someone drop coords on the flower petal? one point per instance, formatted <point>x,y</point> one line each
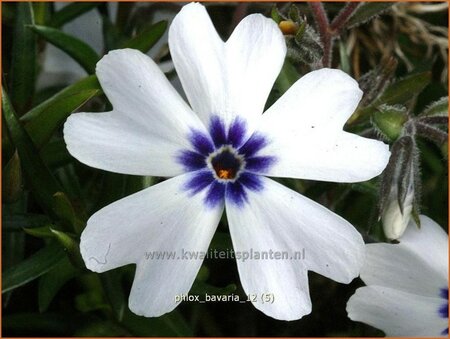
<point>397,313</point>
<point>160,220</point>
<point>417,265</point>
<point>275,218</point>
<point>150,122</point>
<point>198,54</point>
<point>228,80</point>
<point>304,128</point>
<point>255,55</point>
<point>430,242</point>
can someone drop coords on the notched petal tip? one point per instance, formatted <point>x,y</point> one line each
<point>115,56</point>
<point>70,135</point>
<point>93,261</point>
<point>353,304</point>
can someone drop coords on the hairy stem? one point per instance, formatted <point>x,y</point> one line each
<point>344,15</point>
<point>321,19</point>
<point>432,133</point>
<point>434,120</point>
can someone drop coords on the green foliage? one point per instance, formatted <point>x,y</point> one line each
<point>75,48</point>
<point>438,108</point>
<point>33,267</point>
<point>52,282</point>
<point>42,181</point>
<point>70,12</point>
<point>12,180</point>
<point>42,121</point>
<point>367,11</point>
<point>48,195</point>
<point>146,39</point>
<point>23,60</point>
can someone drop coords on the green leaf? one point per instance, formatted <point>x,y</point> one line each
<point>148,37</point>
<point>41,12</point>
<point>404,89</point>
<point>70,12</point>
<point>294,13</point>
<point>75,48</point>
<point>437,108</point>
<point>275,14</point>
<point>24,57</point>
<point>42,182</point>
<point>40,232</point>
<point>398,93</point>
<point>12,180</point>
<point>72,247</point>
<point>51,282</point>
<point>42,121</point>
<point>32,267</point>
<point>64,210</point>
<point>374,82</point>
<point>367,11</point>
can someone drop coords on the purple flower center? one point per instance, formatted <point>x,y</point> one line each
<point>224,163</point>
<point>227,164</point>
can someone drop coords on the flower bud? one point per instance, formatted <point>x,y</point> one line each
<point>288,27</point>
<point>396,215</point>
<point>389,120</point>
<point>398,188</point>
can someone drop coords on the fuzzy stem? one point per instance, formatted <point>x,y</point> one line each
<point>342,18</point>
<point>321,19</point>
<point>431,133</point>
<point>434,120</point>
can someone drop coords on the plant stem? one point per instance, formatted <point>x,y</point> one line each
<point>434,120</point>
<point>329,31</point>
<point>344,15</point>
<point>321,19</point>
<point>431,133</point>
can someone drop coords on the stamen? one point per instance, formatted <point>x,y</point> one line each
<point>225,174</point>
<point>226,163</point>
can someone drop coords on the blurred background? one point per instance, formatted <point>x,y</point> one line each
<point>397,51</point>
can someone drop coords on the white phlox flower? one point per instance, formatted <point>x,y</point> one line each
<point>407,284</point>
<point>219,151</point>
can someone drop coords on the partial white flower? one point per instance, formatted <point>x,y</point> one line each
<point>395,218</point>
<point>219,150</point>
<point>407,284</point>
